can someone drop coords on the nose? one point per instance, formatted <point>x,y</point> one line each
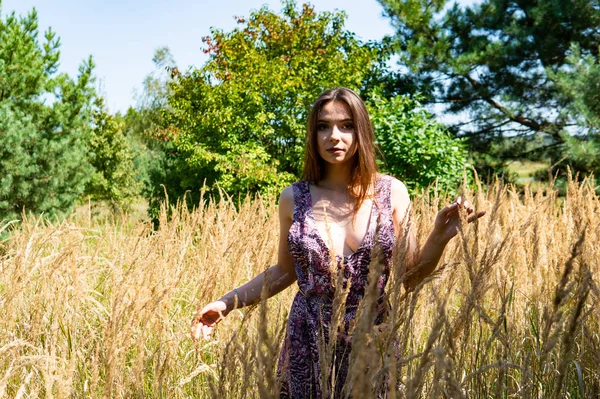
<point>335,134</point>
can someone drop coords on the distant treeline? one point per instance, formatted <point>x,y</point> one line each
<point>524,74</point>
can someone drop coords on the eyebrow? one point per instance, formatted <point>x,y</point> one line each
<point>332,120</point>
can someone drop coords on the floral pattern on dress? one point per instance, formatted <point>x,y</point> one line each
<point>298,369</point>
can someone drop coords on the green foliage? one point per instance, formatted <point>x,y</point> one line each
<point>416,148</point>
<point>239,121</point>
<point>579,83</point>
<point>494,61</point>
<point>583,154</point>
<point>148,154</point>
<point>115,176</point>
<point>43,122</point>
<point>155,157</point>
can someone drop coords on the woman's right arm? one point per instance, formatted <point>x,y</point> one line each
<point>277,277</point>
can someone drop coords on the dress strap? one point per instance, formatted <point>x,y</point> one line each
<point>301,201</point>
<point>384,195</point>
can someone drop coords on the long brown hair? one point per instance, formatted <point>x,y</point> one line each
<point>364,168</point>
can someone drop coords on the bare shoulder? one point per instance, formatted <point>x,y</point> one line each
<point>400,198</point>
<point>399,190</point>
<point>286,202</point>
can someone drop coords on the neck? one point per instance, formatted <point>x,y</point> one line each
<point>337,177</point>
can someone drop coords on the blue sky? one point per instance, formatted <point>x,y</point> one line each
<point>122,35</point>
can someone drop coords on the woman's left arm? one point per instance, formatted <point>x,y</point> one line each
<point>423,261</point>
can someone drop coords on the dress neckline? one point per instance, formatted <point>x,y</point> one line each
<point>318,233</point>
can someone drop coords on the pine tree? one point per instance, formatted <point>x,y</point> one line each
<point>44,122</point>
<point>494,60</point>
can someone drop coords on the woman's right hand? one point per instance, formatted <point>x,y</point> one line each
<point>206,319</point>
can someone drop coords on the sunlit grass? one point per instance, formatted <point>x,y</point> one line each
<point>100,307</point>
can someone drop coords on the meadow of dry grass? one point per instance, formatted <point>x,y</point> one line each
<point>101,308</point>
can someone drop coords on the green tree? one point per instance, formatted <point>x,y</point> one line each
<point>416,149</point>
<point>154,156</point>
<point>239,120</point>
<point>44,122</point>
<point>493,59</point>
<point>110,154</point>
<point>579,84</point>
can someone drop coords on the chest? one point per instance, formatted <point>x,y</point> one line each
<point>341,226</point>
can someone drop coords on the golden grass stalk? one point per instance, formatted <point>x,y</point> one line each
<point>95,307</point>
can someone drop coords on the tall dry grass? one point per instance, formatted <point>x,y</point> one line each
<point>101,308</point>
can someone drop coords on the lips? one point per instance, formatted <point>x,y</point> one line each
<point>334,150</point>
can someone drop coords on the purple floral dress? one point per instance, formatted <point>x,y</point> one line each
<point>299,369</point>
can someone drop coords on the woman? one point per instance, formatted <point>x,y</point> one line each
<point>333,213</point>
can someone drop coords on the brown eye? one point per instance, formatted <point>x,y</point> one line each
<point>348,126</point>
<point>322,126</point>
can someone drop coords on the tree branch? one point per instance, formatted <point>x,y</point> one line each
<point>545,126</point>
<point>487,129</point>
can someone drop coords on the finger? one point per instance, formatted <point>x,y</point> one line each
<point>466,205</point>
<point>449,208</point>
<point>194,322</point>
<point>476,216</point>
<point>202,311</point>
<point>206,330</point>
<point>196,318</point>
<point>195,332</point>
<point>458,200</point>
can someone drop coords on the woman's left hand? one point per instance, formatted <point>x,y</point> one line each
<point>447,219</point>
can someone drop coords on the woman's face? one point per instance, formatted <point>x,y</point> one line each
<point>336,137</point>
